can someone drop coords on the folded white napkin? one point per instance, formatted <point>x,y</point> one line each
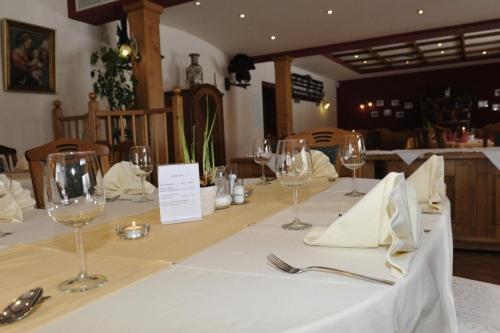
<point>322,166</point>
<point>387,215</point>
<point>13,200</point>
<point>22,164</point>
<point>120,180</point>
<point>428,181</point>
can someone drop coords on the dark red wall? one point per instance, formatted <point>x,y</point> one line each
<point>481,81</point>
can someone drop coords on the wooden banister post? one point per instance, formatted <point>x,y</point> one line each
<point>92,130</point>
<point>56,124</point>
<point>178,124</point>
<point>284,111</point>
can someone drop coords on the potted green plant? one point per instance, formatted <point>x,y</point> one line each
<point>207,185</point>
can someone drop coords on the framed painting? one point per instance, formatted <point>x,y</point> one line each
<point>29,57</point>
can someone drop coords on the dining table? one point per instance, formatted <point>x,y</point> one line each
<point>212,275</point>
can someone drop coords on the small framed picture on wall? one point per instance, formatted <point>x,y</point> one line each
<point>374,114</point>
<point>408,105</point>
<point>387,112</point>
<point>400,114</point>
<point>497,92</point>
<point>482,104</point>
<point>495,107</point>
<point>395,102</point>
<point>379,102</point>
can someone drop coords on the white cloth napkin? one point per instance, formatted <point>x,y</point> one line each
<point>428,181</point>
<point>387,215</point>
<point>22,164</point>
<point>120,180</point>
<point>13,200</point>
<point>321,165</point>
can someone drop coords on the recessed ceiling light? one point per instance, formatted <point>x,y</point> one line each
<point>197,3</point>
<point>356,56</point>
<point>329,11</point>
<point>440,44</point>
<point>420,12</point>
<point>273,37</point>
<point>242,15</point>
<point>484,52</point>
<point>407,61</point>
<point>442,51</point>
<point>364,61</point>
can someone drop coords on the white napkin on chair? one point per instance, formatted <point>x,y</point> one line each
<point>13,200</point>
<point>22,164</point>
<point>387,215</point>
<point>428,181</point>
<point>120,180</point>
<point>322,166</point>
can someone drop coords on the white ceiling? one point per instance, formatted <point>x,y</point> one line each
<point>304,23</point>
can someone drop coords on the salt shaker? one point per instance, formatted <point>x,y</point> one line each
<point>239,192</point>
<point>223,197</point>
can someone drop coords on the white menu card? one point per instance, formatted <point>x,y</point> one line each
<point>179,193</point>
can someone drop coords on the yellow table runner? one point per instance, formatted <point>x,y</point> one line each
<point>49,262</point>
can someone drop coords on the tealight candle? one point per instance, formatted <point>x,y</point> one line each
<point>134,231</point>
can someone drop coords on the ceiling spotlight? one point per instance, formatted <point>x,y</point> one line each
<point>442,52</point>
<point>364,61</point>
<point>440,44</point>
<point>356,56</point>
<point>484,52</point>
<point>420,12</point>
<point>242,15</point>
<point>273,37</point>
<point>407,61</point>
<point>329,11</point>
<point>197,3</point>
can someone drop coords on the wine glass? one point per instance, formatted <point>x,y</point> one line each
<point>352,155</point>
<point>262,154</point>
<point>74,196</point>
<point>294,169</point>
<point>142,165</point>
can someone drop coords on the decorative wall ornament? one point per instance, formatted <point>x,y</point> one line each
<point>240,66</point>
<point>194,72</point>
<point>305,88</point>
<point>29,57</point>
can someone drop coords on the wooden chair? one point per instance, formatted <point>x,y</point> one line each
<point>10,157</point>
<point>37,157</point>
<point>326,139</point>
<point>491,131</point>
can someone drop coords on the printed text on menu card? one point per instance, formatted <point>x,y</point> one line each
<point>179,193</point>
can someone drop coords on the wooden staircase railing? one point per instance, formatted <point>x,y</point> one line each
<point>113,127</point>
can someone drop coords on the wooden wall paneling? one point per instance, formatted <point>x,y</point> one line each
<point>485,199</point>
<point>465,192</point>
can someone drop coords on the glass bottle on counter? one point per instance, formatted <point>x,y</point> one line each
<point>239,192</point>
<point>223,197</point>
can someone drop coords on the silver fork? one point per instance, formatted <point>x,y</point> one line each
<point>281,265</point>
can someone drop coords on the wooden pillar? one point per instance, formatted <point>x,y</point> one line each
<point>178,124</point>
<point>283,79</point>
<point>144,20</point>
<point>92,130</point>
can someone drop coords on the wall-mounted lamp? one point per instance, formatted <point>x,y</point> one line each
<point>240,65</point>
<point>325,105</point>
<point>362,107</point>
<point>127,47</point>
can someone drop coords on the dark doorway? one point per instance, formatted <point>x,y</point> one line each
<point>269,110</point>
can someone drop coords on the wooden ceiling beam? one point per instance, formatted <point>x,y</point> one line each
<point>110,11</point>
<point>342,63</point>
<point>384,40</point>
<point>462,46</point>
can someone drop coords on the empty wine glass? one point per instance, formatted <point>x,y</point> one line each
<point>262,154</point>
<point>352,155</point>
<point>74,196</point>
<point>294,169</point>
<point>142,166</point>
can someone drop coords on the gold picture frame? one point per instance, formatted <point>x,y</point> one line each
<point>29,57</point>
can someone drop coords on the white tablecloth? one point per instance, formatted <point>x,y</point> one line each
<point>229,287</point>
<point>410,155</point>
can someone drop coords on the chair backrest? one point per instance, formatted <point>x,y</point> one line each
<point>10,157</point>
<point>491,131</point>
<point>326,139</point>
<point>38,156</point>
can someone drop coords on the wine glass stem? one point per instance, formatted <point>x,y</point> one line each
<point>295,204</point>
<point>81,252</point>
<point>263,177</point>
<point>354,187</point>
<point>143,188</point>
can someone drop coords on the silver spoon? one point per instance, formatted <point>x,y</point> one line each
<point>22,306</point>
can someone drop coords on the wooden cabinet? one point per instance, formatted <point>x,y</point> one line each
<point>451,112</point>
<point>473,187</point>
<point>197,103</point>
